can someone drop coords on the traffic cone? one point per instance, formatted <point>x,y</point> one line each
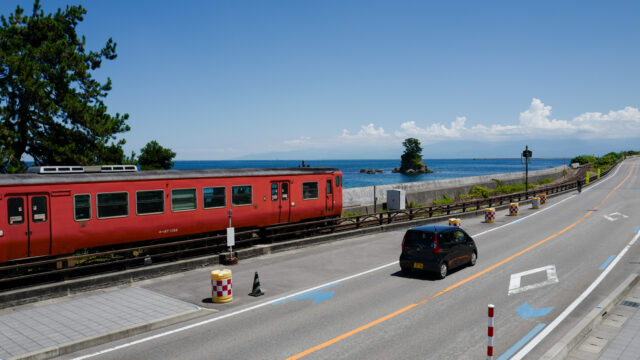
<point>256,286</point>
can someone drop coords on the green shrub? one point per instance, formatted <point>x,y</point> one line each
<point>348,214</point>
<point>584,159</point>
<point>444,201</point>
<point>544,181</point>
<point>413,205</point>
<point>479,191</point>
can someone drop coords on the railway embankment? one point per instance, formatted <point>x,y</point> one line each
<point>361,199</point>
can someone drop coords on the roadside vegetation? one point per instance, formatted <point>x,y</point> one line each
<point>604,162</point>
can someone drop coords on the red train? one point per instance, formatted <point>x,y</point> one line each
<point>58,210</point>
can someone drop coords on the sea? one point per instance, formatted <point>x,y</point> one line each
<point>352,177</point>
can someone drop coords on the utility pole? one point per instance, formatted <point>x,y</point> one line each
<point>526,154</point>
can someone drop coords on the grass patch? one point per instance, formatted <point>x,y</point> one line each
<point>444,201</point>
<point>544,181</point>
<point>350,213</point>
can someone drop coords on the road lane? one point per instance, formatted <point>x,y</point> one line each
<point>449,326</point>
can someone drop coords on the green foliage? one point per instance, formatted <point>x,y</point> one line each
<point>155,157</point>
<point>412,156</point>
<point>607,160</point>
<point>544,181</point>
<point>349,214</point>
<point>584,159</point>
<point>413,205</point>
<point>479,191</point>
<point>444,201</point>
<point>51,107</point>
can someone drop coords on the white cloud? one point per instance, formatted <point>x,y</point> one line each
<point>302,140</point>
<point>535,123</point>
<point>366,132</point>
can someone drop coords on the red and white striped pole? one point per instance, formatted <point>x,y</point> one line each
<point>490,333</point>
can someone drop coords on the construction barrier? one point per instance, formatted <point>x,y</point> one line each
<point>489,215</point>
<point>535,203</point>
<point>454,222</point>
<point>543,198</point>
<point>490,333</point>
<point>221,286</point>
<point>587,178</point>
<point>598,173</point>
<point>513,209</point>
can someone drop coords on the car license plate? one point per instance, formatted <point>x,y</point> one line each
<point>417,265</point>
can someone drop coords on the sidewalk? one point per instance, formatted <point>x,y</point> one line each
<point>617,336</point>
<point>66,325</point>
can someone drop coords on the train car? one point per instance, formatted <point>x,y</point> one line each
<point>58,210</point>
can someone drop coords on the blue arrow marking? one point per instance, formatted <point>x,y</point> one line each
<point>606,263</point>
<point>317,295</point>
<point>636,230</point>
<point>527,312</point>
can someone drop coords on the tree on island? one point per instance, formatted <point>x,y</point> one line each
<point>412,158</point>
<point>155,157</point>
<point>51,108</point>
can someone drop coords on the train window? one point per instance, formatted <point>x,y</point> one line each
<point>183,199</point>
<point>309,190</point>
<point>112,205</point>
<point>214,197</point>
<point>285,191</point>
<point>39,208</point>
<point>338,181</point>
<point>149,202</point>
<point>241,195</point>
<point>82,207</point>
<point>274,191</point>
<point>15,209</point>
<point>329,188</point>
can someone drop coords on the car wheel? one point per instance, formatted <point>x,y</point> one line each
<point>473,259</point>
<point>443,270</point>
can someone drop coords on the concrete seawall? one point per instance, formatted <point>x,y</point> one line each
<point>425,192</point>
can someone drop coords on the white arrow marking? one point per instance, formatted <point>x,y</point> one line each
<point>614,216</point>
<point>514,282</point>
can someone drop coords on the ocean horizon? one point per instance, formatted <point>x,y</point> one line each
<point>352,177</point>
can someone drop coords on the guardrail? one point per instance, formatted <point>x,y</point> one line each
<point>62,268</point>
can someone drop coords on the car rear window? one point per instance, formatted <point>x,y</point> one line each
<point>419,238</point>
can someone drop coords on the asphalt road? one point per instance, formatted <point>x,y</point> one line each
<point>348,299</point>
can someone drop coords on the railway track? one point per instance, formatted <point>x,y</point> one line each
<point>21,274</point>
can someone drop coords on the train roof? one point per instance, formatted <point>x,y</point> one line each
<point>35,178</point>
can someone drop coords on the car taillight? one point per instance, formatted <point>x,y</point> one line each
<point>436,248</point>
<point>403,239</point>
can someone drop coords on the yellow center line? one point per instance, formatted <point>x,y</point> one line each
<point>441,292</point>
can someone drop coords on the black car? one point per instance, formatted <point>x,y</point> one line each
<point>436,248</point>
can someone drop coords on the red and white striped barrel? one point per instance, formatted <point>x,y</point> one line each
<point>543,198</point>
<point>221,286</point>
<point>513,209</point>
<point>489,215</point>
<point>490,333</point>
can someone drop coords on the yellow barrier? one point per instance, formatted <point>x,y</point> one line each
<point>535,203</point>
<point>588,175</point>
<point>543,198</point>
<point>454,222</point>
<point>513,209</point>
<point>221,286</point>
<point>598,173</point>
<point>489,215</point>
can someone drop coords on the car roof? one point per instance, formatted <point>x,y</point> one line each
<point>434,228</point>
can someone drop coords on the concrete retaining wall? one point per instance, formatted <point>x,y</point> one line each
<point>425,192</point>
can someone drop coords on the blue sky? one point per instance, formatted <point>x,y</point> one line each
<point>353,79</point>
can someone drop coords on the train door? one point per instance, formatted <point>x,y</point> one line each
<point>29,230</point>
<point>329,203</point>
<point>280,202</point>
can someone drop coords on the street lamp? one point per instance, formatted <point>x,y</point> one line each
<point>526,154</point>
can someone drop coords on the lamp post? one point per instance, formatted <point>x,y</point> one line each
<point>526,154</point>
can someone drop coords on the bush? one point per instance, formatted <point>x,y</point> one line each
<point>607,160</point>
<point>479,191</point>
<point>444,201</point>
<point>584,159</point>
<point>544,181</point>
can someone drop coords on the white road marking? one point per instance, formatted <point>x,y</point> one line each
<point>514,282</point>
<point>525,350</point>
<point>301,292</point>
<point>615,216</point>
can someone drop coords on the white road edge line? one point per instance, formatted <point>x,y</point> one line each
<point>303,291</point>
<point>536,340</point>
